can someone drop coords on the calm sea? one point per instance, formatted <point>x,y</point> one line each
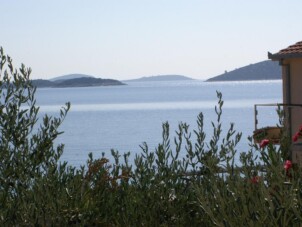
<point>123,117</point>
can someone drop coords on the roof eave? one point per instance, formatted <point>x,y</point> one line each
<point>283,56</point>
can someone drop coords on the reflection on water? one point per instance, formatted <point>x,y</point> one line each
<point>157,105</point>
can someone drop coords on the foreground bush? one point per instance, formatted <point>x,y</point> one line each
<point>197,183</point>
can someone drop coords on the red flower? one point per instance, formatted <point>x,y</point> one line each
<point>300,129</point>
<point>296,137</point>
<point>288,164</point>
<point>255,180</point>
<point>264,143</point>
<point>298,134</point>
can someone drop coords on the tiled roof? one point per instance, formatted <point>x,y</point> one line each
<point>293,51</point>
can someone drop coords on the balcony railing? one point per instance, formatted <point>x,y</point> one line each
<point>273,133</point>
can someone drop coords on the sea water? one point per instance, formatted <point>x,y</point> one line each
<point>123,117</point>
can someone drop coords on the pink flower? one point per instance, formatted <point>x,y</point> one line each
<point>264,143</point>
<point>288,164</point>
<point>296,137</point>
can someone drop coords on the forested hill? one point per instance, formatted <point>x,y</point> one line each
<point>265,70</point>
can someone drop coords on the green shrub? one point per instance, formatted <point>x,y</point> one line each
<point>29,168</point>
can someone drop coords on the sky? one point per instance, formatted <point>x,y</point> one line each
<point>128,39</point>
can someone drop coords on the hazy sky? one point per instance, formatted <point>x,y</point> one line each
<point>124,39</point>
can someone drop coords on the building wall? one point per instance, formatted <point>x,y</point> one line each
<point>286,95</point>
<point>294,77</point>
<point>284,83</point>
<point>295,94</point>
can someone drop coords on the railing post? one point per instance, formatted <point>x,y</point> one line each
<point>255,115</point>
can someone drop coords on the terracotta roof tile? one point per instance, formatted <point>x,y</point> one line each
<point>292,51</point>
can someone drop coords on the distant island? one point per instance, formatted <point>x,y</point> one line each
<point>75,80</point>
<point>160,78</point>
<point>265,70</point>
<point>71,76</point>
